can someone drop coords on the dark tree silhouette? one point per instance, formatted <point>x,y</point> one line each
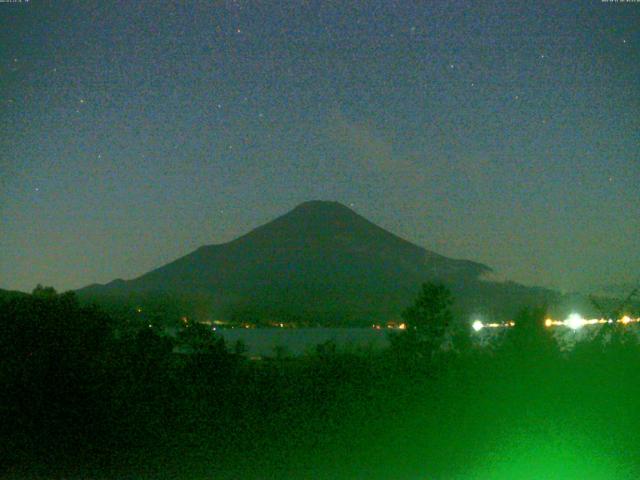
<point>201,339</point>
<point>427,321</point>
<point>530,342</point>
<point>430,315</point>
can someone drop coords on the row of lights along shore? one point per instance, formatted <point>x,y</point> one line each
<point>574,321</point>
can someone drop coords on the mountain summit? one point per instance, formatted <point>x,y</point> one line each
<point>320,262</point>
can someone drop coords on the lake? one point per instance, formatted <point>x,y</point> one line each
<point>297,341</point>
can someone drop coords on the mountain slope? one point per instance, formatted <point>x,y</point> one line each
<point>321,262</point>
<point>9,294</point>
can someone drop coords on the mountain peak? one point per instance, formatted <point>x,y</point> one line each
<point>312,221</point>
<point>322,206</point>
<point>320,261</point>
<point>320,203</point>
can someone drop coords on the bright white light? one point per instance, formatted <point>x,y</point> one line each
<point>477,325</point>
<point>575,321</point>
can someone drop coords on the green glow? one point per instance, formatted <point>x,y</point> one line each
<point>548,457</point>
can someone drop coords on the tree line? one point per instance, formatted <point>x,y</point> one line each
<point>82,395</point>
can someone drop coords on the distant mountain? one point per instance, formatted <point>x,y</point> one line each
<point>619,290</point>
<point>8,294</point>
<point>322,263</point>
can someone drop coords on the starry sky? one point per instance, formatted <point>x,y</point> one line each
<point>502,132</point>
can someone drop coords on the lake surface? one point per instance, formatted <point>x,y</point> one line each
<point>297,341</point>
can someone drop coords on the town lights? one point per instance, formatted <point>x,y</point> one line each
<point>575,321</point>
<point>477,325</point>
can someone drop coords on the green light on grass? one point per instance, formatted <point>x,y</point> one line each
<point>549,458</point>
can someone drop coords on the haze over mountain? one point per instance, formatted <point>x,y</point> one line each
<point>322,263</point>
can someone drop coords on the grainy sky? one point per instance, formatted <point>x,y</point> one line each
<point>502,132</point>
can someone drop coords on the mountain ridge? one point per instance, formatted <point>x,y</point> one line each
<point>320,259</point>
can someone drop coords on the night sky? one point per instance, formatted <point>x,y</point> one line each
<point>506,133</point>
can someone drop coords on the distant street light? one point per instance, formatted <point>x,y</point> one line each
<point>575,321</point>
